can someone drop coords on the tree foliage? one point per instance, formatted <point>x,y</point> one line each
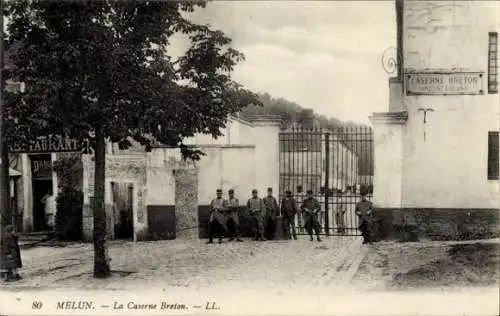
<point>102,70</point>
<point>89,64</point>
<point>355,136</point>
<point>290,112</point>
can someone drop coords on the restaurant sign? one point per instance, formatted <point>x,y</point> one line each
<point>47,144</point>
<point>465,83</point>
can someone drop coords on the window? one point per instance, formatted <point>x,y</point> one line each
<point>493,156</point>
<point>493,62</point>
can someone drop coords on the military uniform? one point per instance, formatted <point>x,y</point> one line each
<point>272,209</point>
<point>310,209</point>
<point>364,210</point>
<point>232,217</point>
<point>288,211</point>
<point>216,223</point>
<point>256,207</point>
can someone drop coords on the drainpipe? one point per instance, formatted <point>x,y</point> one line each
<point>399,27</point>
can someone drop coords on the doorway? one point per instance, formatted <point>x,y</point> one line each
<point>122,195</point>
<point>41,187</point>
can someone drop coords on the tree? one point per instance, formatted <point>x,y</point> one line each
<point>101,70</point>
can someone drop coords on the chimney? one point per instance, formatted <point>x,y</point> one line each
<point>307,118</point>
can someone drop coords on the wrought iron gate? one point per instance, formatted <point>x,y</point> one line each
<point>336,164</point>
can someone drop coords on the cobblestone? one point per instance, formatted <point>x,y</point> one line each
<point>193,264</point>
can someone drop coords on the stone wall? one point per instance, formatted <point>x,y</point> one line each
<point>119,168</point>
<point>439,224</point>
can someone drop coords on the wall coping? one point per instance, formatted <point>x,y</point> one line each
<point>262,120</point>
<point>389,117</point>
<point>395,80</point>
<point>444,71</point>
<point>223,146</point>
<point>206,146</point>
<point>240,120</point>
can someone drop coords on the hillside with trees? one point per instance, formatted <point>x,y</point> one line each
<point>355,136</point>
<point>289,111</point>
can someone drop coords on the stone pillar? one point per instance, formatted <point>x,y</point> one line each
<point>27,193</point>
<point>388,147</point>
<point>266,136</point>
<point>396,103</point>
<point>87,187</point>
<point>388,172</point>
<point>186,203</point>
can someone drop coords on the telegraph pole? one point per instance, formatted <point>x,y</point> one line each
<point>6,217</point>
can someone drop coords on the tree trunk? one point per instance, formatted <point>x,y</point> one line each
<point>101,265</point>
<point>6,217</point>
<point>5,185</point>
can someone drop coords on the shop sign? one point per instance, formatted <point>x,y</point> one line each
<point>47,144</point>
<point>41,166</point>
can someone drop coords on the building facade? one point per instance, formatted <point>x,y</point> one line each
<point>35,178</point>
<point>436,149</point>
<point>160,195</point>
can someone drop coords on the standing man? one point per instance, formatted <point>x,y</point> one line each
<point>216,222</point>
<point>256,207</point>
<point>341,210</point>
<point>272,210</point>
<point>233,222</point>
<point>364,210</point>
<point>50,210</point>
<point>310,209</point>
<point>288,211</point>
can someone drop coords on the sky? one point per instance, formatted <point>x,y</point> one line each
<point>323,55</point>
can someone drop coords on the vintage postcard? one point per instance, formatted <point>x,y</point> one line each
<point>249,157</point>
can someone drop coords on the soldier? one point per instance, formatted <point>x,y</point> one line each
<point>364,210</point>
<point>233,223</point>
<point>216,222</point>
<point>272,209</point>
<point>310,209</point>
<point>288,211</point>
<point>256,207</point>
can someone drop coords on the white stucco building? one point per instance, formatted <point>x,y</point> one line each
<point>436,149</point>
<point>170,196</point>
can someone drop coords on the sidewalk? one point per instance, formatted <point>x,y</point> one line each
<point>192,264</point>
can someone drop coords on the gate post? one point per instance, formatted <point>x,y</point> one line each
<point>327,182</point>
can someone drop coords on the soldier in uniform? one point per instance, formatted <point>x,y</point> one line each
<point>256,207</point>
<point>288,211</point>
<point>233,223</point>
<point>364,210</point>
<point>216,223</point>
<point>272,210</point>
<point>310,209</point>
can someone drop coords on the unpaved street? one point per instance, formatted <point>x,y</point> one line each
<point>193,264</point>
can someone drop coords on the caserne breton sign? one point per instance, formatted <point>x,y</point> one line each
<point>47,144</point>
<point>444,83</point>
